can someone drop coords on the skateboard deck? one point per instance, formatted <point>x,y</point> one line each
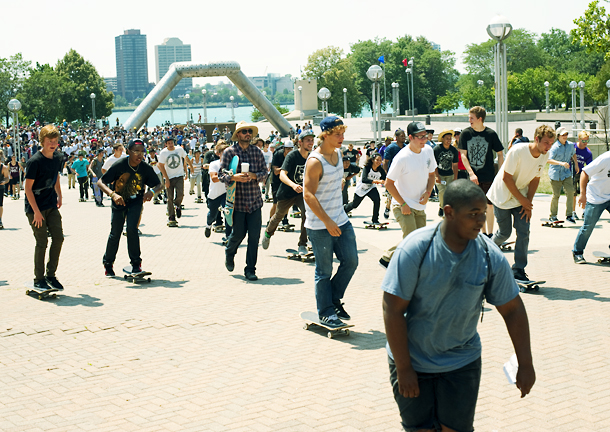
<point>552,224</point>
<point>311,319</point>
<point>525,286</point>
<point>136,277</point>
<point>294,255</point>
<point>604,258</point>
<point>230,201</point>
<point>506,246</point>
<point>38,293</point>
<point>219,228</point>
<point>286,228</point>
<point>376,225</point>
<point>296,214</point>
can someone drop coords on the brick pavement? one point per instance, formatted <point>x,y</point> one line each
<point>201,349</point>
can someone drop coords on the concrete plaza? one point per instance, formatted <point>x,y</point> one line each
<point>201,349</point>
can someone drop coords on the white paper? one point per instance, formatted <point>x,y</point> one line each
<point>510,369</point>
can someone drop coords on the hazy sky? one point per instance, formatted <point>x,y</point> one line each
<point>264,36</point>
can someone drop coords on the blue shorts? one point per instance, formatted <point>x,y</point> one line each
<point>447,398</point>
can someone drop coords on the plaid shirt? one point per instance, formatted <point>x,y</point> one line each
<point>248,197</point>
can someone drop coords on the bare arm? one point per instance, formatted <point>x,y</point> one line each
<point>284,178</point>
<point>500,158</point>
<point>575,161</point>
<point>584,180</point>
<point>58,191</point>
<point>466,162</point>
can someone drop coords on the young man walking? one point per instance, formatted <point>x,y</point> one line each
<point>95,169</point>
<point>328,226</point>
<point>247,217</point>
<point>173,166</point>
<point>388,156</point>
<point>512,193</point>
<point>447,158</point>
<point>562,153</point>
<point>431,313</point>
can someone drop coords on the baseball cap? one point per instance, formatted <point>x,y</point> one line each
<point>561,131</point>
<point>415,127</point>
<point>134,142</point>
<point>169,138</point>
<point>330,122</point>
<point>289,144</point>
<point>306,133</point>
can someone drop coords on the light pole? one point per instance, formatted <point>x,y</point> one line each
<point>411,63</point>
<point>573,85</point>
<point>187,97</point>
<point>393,85</point>
<point>581,84</point>
<point>375,74</point>
<point>546,91</point>
<point>480,83</point>
<point>499,29</point>
<point>301,115</point>
<point>409,90</point>
<point>92,96</point>
<point>171,109</point>
<point>205,105</point>
<point>397,99</point>
<point>232,109</point>
<point>324,95</point>
<point>608,108</point>
<point>14,106</point>
<point>344,102</point>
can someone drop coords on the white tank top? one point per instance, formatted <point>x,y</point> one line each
<point>328,194</point>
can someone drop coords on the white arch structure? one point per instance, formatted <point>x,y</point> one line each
<point>230,69</point>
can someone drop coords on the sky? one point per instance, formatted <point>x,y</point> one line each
<point>268,36</point>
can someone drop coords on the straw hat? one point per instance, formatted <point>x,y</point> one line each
<point>243,125</point>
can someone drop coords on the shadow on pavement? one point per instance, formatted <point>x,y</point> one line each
<point>3,283</point>
<point>372,340</point>
<point>271,280</point>
<point>553,293</point>
<point>83,300</point>
<point>157,283</point>
<point>150,235</point>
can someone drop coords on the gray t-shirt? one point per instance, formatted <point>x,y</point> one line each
<point>445,302</point>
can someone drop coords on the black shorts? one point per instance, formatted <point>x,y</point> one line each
<point>13,181</point>
<point>1,195</point>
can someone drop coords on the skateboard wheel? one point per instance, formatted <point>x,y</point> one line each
<point>329,335</point>
<point>54,295</point>
<point>305,326</point>
<point>39,297</point>
<point>27,292</point>
<point>536,288</point>
<point>522,289</point>
<point>346,332</point>
<point>148,280</point>
<point>125,277</point>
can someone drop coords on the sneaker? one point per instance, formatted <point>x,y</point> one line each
<point>579,259</point>
<point>208,231</point>
<point>520,274</point>
<point>136,268</point>
<point>1,226</point>
<point>266,241</point>
<point>553,219</point>
<point>383,263</point>
<point>341,313</point>
<point>332,321</point>
<point>440,212</point>
<point>191,192</point>
<point>386,213</point>
<point>251,276</point>
<point>109,271</point>
<point>570,219</point>
<point>139,232</point>
<point>230,263</point>
<point>303,250</point>
<point>42,284</point>
<point>52,280</point>
<point>178,212</point>
<point>575,216</point>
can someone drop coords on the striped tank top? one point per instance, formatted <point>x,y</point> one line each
<point>328,194</point>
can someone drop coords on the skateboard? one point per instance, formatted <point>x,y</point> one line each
<point>506,246</point>
<point>525,286</point>
<point>296,214</point>
<point>311,319</point>
<point>38,293</point>
<point>198,201</point>
<point>136,277</point>
<point>230,201</point>
<point>552,224</point>
<point>172,224</point>
<point>376,225</point>
<point>286,228</point>
<point>604,258</point>
<point>307,258</point>
<point>219,228</point>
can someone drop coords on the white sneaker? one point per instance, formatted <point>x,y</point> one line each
<point>302,250</point>
<point>266,241</point>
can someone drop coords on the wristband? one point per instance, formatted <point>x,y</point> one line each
<point>403,204</point>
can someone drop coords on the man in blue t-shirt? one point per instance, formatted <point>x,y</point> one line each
<point>561,155</point>
<point>80,166</point>
<point>434,287</point>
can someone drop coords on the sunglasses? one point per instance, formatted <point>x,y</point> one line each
<point>246,131</point>
<point>585,141</point>
<point>421,136</point>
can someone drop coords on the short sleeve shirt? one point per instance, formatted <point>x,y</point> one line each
<point>598,189</point>
<point>294,165</point>
<point>445,158</point>
<point>410,172</point>
<point>562,153</point>
<point>480,148</point>
<point>129,183</point>
<point>173,160</point>
<point>44,172</point>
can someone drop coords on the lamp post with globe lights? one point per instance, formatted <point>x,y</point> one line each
<point>232,109</point>
<point>204,92</point>
<point>480,83</point>
<point>301,114</point>
<point>344,103</point>
<point>581,85</point>
<point>324,95</point>
<point>14,106</point>
<point>187,97</point>
<point>546,91</point>
<point>375,74</point>
<point>573,85</point>
<point>409,91</point>
<point>171,109</point>
<point>608,108</point>
<point>499,29</point>
<point>92,96</point>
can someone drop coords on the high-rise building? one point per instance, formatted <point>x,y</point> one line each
<point>173,50</point>
<point>131,65</point>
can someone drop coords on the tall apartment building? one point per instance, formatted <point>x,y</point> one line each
<point>170,51</point>
<point>131,65</point>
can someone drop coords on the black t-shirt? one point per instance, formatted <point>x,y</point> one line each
<point>209,157</point>
<point>351,169</point>
<point>480,147</point>
<point>445,158</point>
<point>128,183</point>
<point>294,165</point>
<point>351,154</point>
<point>44,172</point>
<point>277,161</point>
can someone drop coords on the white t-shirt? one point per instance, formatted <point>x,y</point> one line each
<point>268,155</point>
<point>598,188</point>
<point>173,161</point>
<point>524,168</point>
<point>218,188</point>
<point>111,160</point>
<point>410,172</point>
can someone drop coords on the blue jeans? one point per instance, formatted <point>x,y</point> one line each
<point>243,223</point>
<point>97,193</point>
<point>330,289</point>
<point>592,215</point>
<point>132,215</point>
<point>216,215</point>
<point>506,218</point>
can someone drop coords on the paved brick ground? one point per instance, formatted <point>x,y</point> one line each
<point>201,349</point>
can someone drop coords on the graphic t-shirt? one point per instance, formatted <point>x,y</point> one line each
<point>294,165</point>
<point>130,182</point>
<point>584,156</point>
<point>480,147</point>
<point>173,161</point>
<point>365,184</point>
<point>44,172</point>
<point>351,154</point>
<point>445,158</point>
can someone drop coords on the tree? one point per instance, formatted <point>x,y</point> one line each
<point>563,53</point>
<point>363,55</point>
<point>593,29</point>
<point>41,95</point>
<point>13,72</point>
<point>473,94</point>
<point>448,102</point>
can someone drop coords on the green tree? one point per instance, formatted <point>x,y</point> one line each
<point>120,101</point>
<point>449,101</point>
<point>473,94</point>
<point>593,29</point>
<point>41,95</point>
<point>563,53</point>
<point>363,55</point>
<point>83,80</point>
<point>13,71</point>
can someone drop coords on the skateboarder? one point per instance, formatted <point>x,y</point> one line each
<point>80,166</point>
<point>290,192</point>
<point>4,179</point>
<point>431,314</point>
<point>217,193</point>
<point>447,158</point>
<point>373,174</point>
<point>584,157</point>
<point>328,226</point>
<point>247,217</point>
<point>43,200</point>
<point>594,198</point>
<point>173,166</point>
<point>388,156</point>
<point>95,169</point>
<point>512,193</point>
<point>560,173</point>
<point>128,179</point>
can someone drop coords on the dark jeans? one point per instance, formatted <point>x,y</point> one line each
<point>132,215</point>
<point>245,223</point>
<point>215,214</point>
<point>176,187</point>
<point>83,187</point>
<point>447,398</point>
<point>51,221</point>
<point>507,219</point>
<point>373,194</point>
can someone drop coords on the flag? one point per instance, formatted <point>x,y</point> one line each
<point>381,59</point>
<point>405,62</point>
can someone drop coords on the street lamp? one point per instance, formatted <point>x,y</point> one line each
<point>409,90</point>
<point>344,102</point>
<point>581,84</point>
<point>92,96</point>
<point>573,85</point>
<point>301,115</point>
<point>324,95</point>
<point>608,108</point>
<point>14,106</point>
<point>393,85</point>
<point>171,109</point>
<point>499,29</point>
<point>546,91</point>
<point>187,97</point>
<point>232,109</point>
<point>375,74</point>
<point>205,105</point>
